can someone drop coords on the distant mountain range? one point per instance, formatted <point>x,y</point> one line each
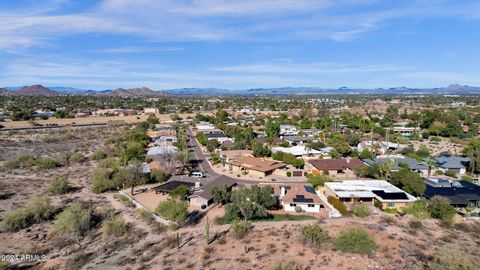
<point>39,90</point>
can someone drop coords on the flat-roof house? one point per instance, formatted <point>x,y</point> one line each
<point>335,166</point>
<point>406,131</point>
<point>298,151</point>
<point>259,167</point>
<point>454,163</point>
<point>166,139</point>
<point>414,164</point>
<point>296,140</point>
<point>351,191</point>
<point>219,136</point>
<point>460,193</point>
<point>161,150</point>
<point>288,130</point>
<point>204,125</point>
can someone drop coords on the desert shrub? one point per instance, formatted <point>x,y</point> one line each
<point>338,205</point>
<point>145,215</point>
<point>440,208</point>
<point>361,210</point>
<point>241,228</point>
<point>453,258</point>
<point>173,210</point>
<point>317,180</point>
<point>77,157</point>
<point>39,209</point>
<point>74,222</point>
<point>355,240</point>
<point>48,163</point>
<point>114,227</point>
<point>158,176</point>
<point>125,200</point>
<point>109,163</point>
<point>390,211</point>
<point>418,209</point>
<point>4,265</point>
<point>102,181</point>
<point>289,174</point>
<point>415,224</point>
<point>21,162</point>
<point>98,155</point>
<point>451,173</point>
<point>285,266</point>
<point>313,234</point>
<point>378,204</point>
<point>59,185</point>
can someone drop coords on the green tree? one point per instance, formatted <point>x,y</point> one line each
<point>180,192</point>
<point>473,153</point>
<point>317,180</point>
<point>221,194</point>
<point>440,208</point>
<point>272,129</point>
<point>173,210</point>
<point>259,150</point>
<point>410,182</point>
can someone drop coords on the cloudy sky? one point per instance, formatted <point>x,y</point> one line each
<point>163,44</point>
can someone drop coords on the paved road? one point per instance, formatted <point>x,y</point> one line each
<point>201,160</point>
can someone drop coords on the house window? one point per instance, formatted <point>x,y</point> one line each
<point>311,205</point>
<point>293,204</point>
<point>390,205</point>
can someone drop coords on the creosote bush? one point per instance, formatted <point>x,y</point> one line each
<point>338,205</point>
<point>114,227</point>
<point>241,228</point>
<point>313,234</point>
<point>286,266</point>
<point>452,257</point>
<point>73,223</point>
<point>361,210</point>
<point>173,210</point>
<point>59,185</point>
<point>39,209</point>
<point>98,155</point>
<point>355,240</point>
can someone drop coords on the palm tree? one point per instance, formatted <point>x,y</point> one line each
<point>384,169</point>
<point>431,164</point>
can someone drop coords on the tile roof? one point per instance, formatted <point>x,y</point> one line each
<point>258,164</point>
<point>301,193</point>
<point>337,164</point>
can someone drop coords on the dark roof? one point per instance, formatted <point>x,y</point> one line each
<point>390,195</point>
<point>216,135</point>
<point>458,194</point>
<point>412,163</point>
<point>171,185</point>
<point>206,190</point>
<point>301,198</point>
<point>336,164</point>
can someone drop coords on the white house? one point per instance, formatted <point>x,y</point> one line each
<point>369,191</point>
<point>288,130</point>
<point>300,197</point>
<point>204,126</point>
<point>298,151</point>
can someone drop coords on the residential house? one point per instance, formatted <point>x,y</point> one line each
<point>299,140</point>
<point>406,131</point>
<point>231,155</point>
<point>372,146</point>
<point>274,140</point>
<point>294,197</point>
<point>288,130</point>
<point>166,139</point>
<point>219,136</point>
<point>204,126</point>
<point>336,166</point>
<point>298,151</point>
<point>460,193</point>
<point>202,194</point>
<point>453,163</point>
<point>161,150</point>
<point>415,165</point>
<point>254,166</point>
<point>369,191</point>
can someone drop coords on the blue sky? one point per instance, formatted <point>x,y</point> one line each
<point>165,44</point>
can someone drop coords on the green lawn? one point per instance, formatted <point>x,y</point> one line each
<point>273,218</point>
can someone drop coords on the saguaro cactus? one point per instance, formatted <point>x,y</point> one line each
<point>207,231</point>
